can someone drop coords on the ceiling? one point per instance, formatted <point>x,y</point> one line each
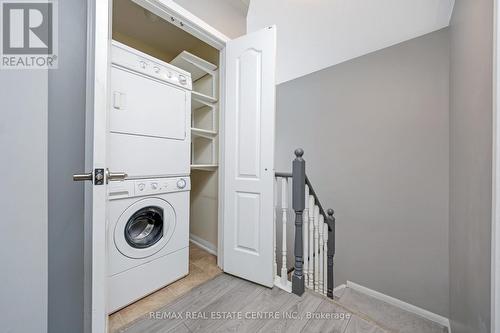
<point>315,34</point>
<point>138,28</point>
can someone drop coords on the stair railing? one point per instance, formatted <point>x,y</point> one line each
<point>314,243</point>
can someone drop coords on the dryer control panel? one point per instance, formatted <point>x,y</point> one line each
<point>132,59</point>
<point>144,187</point>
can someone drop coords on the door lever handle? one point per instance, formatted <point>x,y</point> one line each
<point>115,176</point>
<point>80,177</point>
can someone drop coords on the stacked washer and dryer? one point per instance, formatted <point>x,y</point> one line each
<point>149,139</point>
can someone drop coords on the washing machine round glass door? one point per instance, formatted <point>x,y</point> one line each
<point>144,228</point>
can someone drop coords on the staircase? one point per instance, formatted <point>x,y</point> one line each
<point>314,240</point>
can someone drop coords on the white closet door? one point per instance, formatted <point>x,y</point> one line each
<point>249,156</point>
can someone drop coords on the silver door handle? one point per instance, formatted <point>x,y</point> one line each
<point>114,176</point>
<point>80,177</point>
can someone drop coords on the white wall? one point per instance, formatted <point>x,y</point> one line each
<point>316,34</point>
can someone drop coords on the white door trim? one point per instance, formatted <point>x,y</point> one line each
<point>98,48</point>
<point>495,214</point>
<point>98,43</point>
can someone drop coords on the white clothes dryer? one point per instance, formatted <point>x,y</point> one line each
<point>149,116</point>
<point>148,237</point>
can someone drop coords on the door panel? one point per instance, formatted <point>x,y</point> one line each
<point>249,156</point>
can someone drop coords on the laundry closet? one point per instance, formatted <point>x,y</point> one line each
<point>164,137</point>
<point>142,30</point>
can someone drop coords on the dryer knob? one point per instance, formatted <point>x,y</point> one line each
<point>154,186</point>
<point>182,79</point>
<point>141,186</point>
<point>181,183</point>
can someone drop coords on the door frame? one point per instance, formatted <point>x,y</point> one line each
<point>99,19</point>
<point>495,213</point>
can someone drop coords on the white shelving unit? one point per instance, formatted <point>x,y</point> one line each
<point>202,97</point>
<point>203,133</point>
<point>195,65</point>
<point>204,167</point>
<point>204,110</point>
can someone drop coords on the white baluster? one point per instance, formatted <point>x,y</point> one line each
<point>321,222</point>
<point>305,235</point>
<point>325,259</point>
<point>284,206</point>
<point>275,205</point>
<point>311,242</point>
<point>316,248</point>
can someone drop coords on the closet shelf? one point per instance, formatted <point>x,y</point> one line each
<point>194,65</point>
<point>204,167</point>
<point>197,104</point>
<point>202,97</point>
<point>203,133</point>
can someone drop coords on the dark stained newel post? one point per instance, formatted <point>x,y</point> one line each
<point>299,185</point>
<point>330,251</point>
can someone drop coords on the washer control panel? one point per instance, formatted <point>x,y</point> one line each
<point>161,185</point>
<point>139,187</point>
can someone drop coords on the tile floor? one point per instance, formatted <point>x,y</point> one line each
<point>202,267</point>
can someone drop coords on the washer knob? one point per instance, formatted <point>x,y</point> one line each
<point>181,183</point>
<point>154,186</point>
<point>182,79</point>
<point>141,186</point>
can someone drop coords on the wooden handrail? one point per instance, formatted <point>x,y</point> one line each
<point>311,190</point>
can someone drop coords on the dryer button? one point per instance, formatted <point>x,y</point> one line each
<point>182,79</point>
<point>181,183</point>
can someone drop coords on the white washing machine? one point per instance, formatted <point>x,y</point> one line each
<point>149,116</point>
<point>148,237</point>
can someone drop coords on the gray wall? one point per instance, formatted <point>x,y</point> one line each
<point>375,131</point>
<point>23,201</point>
<point>471,41</point>
<point>66,156</point>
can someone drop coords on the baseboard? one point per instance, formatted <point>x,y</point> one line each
<point>205,245</point>
<point>339,287</point>
<point>402,305</point>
